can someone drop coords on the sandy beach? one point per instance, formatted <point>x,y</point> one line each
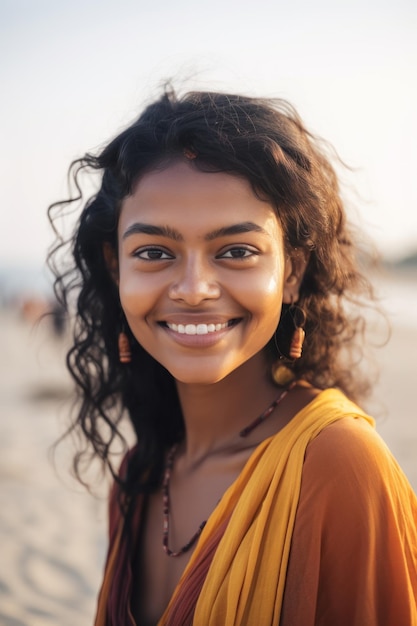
<point>52,532</point>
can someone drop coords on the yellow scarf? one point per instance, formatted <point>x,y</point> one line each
<point>245,582</point>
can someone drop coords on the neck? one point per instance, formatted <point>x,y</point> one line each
<point>215,414</point>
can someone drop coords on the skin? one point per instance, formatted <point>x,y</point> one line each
<point>201,249</point>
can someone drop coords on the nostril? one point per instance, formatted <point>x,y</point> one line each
<point>194,291</point>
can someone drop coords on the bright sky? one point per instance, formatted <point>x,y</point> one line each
<point>74,72</point>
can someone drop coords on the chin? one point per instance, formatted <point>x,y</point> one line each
<point>199,374</point>
<point>197,378</point>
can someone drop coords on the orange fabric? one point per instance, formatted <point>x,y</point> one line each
<point>105,591</point>
<point>113,605</point>
<point>181,610</point>
<point>353,558</point>
<point>322,532</point>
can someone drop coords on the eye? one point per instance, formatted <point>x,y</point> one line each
<point>152,254</point>
<point>238,252</point>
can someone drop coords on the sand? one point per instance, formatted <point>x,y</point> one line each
<point>53,533</point>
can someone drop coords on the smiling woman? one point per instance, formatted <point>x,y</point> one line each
<point>190,259</point>
<point>212,273</point>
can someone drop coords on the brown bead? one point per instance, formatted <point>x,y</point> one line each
<point>125,355</point>
<point>296,347</point>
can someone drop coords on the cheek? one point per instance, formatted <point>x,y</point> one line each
<point>262,295</point>
<point>136,303</point>
<point>136,293</point>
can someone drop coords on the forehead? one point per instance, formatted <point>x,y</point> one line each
<point>182,192</point>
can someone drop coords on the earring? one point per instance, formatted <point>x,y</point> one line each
<point>297,340</point>
<point>282,374</point>
<point>125,354</point>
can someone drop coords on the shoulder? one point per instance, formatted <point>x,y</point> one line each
<point>352,488</point>
<point>349,465</point>
<point>348,440</point>
<point>356,510</point>
<point>339,437</point>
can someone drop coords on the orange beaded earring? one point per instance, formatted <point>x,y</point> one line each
<point>125,354</point>
<point>297,340</point>
<point>282,373</point>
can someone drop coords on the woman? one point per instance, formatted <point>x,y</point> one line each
<point>212,272</point>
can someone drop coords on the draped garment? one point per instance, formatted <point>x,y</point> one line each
<point>319,529</point>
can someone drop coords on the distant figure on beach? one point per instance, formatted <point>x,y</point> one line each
<point>58,319</point>
<point>220,308</point>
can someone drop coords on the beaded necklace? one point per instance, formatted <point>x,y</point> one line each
<point>167,478</point>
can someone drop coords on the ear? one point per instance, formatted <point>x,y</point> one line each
<point>295,267</point>
<point>111,260</point>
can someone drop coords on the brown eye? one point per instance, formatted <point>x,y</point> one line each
<point>237,253</point>
<point>153,254</point>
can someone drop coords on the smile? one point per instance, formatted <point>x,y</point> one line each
<point>199,329</point>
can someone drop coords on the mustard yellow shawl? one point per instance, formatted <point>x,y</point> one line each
<point>245,582</point>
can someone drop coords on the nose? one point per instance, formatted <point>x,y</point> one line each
<point>194,282</point>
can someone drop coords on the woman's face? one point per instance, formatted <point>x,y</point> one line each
<point>202,271</point>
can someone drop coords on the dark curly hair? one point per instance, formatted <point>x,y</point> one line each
<point>264,141</point>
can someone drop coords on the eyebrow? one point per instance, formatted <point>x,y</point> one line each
<point>171,233</point>
<point>150,229</point>
<point>235,229</point>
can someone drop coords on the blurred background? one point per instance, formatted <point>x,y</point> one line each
<point>73,74</point>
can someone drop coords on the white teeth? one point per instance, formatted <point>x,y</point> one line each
<point>196,329</point>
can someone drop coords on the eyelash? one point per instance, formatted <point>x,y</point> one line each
<point>164,255</point>
<point>139,254</point>
<point>248,252</point>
